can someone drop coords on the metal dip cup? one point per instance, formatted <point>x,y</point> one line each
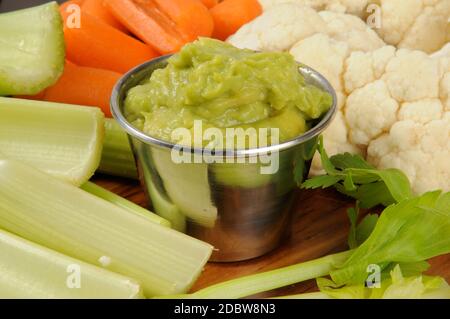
<point>232,206</point>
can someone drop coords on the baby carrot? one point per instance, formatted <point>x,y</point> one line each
<point>164,24</point>
<point>96,44</point>
<point>97,9</point>
<point>230,15</point>
<point>82,86</point>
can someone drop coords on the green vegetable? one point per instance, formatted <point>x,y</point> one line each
<point>353,176</point>
<point>269,280</point>
<point>67,219</point>
<point>32,49</point>
<point>359,233</point>
<point>131,207</point>
<point>62,140</point>
<point>395,287</point>
<point>32,271</point>
<point>225,87</point>
<point>117,156</point>
<point>408,232</point>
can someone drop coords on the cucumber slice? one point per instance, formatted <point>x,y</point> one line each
<point>32,49</point>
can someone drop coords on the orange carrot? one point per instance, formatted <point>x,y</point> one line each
<point>97,9</point>
<point>230,15</point>
<point>82,86</point>
<point>210,3</point>
<point>98,45</point>
<point>164,24</point>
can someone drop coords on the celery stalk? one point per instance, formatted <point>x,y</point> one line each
<point>62,140</point>
<point>99,191</point>
<point>117,157</point>
<point>32,49</point>
<point>269,280</point>
<point>67,219</point>
<point>32,271</point>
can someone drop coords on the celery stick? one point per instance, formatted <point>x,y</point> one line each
<point>32,49</point>
<point>98,191</point>
<point>269,280</point>
<point>62,140</point>
<point>32,271</point>
<point>62,217</point>
<point>117,157</point>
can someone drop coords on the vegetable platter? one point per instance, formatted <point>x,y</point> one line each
<point>377,197</point>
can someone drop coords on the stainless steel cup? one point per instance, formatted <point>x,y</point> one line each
<point>234,207</point>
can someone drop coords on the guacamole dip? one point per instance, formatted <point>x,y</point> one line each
<point>225,87</point>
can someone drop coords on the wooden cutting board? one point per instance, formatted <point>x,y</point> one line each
<point>320,227</point>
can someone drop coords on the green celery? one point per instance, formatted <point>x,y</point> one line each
<point>32,271</point>
<point>32,49</point>
<point>273,279</point>
<point>62,140</point>
<point>115,199</point>
<point>67,219</point>
<point>117,157</point>
<point>353,176</point>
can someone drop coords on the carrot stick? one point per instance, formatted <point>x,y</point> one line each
<point>230,15</point>
<point>82,86</point>
<point>98,45</point>
<point>210,3</point>
<point>97,9</point>
<point>164,24</point>
<point>191,17</point>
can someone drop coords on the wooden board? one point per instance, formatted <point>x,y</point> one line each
<point>320,227</point>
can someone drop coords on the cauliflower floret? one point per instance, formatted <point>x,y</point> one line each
<point>370,111</point>
<point>412,75</point>
<point>324,54</point>
<point>351,30</point>
<point>366,67</point>
<point>415,24</point>
<point>355,7</point>
<point>422,151</point>
<point>279,28</point>
<point>422,111</point>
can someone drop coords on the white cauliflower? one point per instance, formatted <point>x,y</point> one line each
<point>352,30</point>
<point>394,104</point>
<point>396,111</point>
<point>421,150</point>
<point>294,22</point>
<point>370,111</point>
<point>356,7</point>
<point>415,24</point>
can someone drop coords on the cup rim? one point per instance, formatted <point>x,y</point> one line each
<point>116,110</point>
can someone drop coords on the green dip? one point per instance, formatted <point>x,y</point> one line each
<point>225,87</point>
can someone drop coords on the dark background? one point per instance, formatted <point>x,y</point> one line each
<point>9,5</point>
